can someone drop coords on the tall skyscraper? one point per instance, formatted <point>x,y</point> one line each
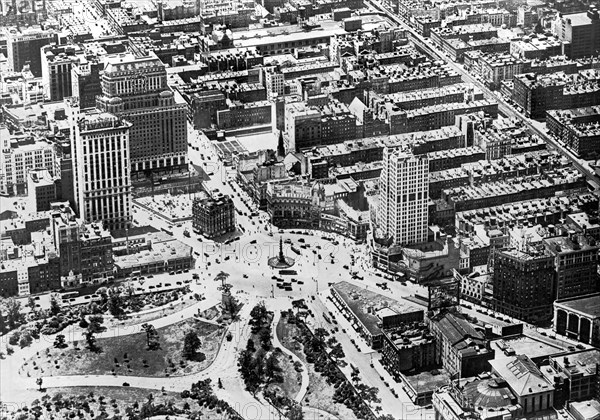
<point>403,196</point>
<point>135,88</point>
<point>102,181</point>
<point>57,61</point>
<point>24,47</point>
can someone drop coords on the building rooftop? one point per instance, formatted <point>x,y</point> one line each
<point>521,374</point>
<point>588,305</point>
<point>584,362</point>
<point>366,305</point>
<point>488,392</point>
<point>524,344</point>
<point>461,333</point>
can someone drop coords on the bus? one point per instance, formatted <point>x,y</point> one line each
<point>288,272</point>
<point>67,295</point>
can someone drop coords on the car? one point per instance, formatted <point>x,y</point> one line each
<point>171,273</point>
<point>300,282</point>
<point>274,277</point>
<point>150,276</point>
<point>178,272</point>
<point>87,297</point>
<point>186,270</point>
<point>151,287</point>
<point>245,276</point>
<point>169,284</point>
<point>301,240</point>
<point>346,267</point>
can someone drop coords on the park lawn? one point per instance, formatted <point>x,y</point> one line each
<point>123,397</point>
<point>165,361</point>
<point>292,380</point>
<point>320,393</point>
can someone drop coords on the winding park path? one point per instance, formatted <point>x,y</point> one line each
<point>17,390</point>
<point>276,343</point>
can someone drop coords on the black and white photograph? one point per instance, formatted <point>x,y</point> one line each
<point>299,210</point>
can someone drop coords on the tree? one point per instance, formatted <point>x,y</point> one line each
<point>265,338</point>
<point>151,336</point>
<point>60,341</point>
<point>90,339</point>
<point>222,276</point>
<point>272,367</point>
<point>250,345</point>
<point>31,303</point>
<point>115,303</point>
<point>54,305</point>
<point>337,352</point>
<point>355,375</point>
<point>295,412</point>
<point>95,324</point>
<point>25,339</point>
<point>13,313</point>
<point>191,344</point>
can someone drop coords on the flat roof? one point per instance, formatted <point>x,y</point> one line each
<point>589,305</point>
<point>524,344</point>
<point>360,300</point>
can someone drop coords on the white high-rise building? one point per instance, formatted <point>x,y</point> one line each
<point>403,196</point>
<point>102,184</point>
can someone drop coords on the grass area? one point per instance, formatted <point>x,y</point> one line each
<point>320,393</point>
<point>89,403</point>
<point>123,395</point>
<point>171,308</point>
<point>292,380</point>
<point>167,360</point>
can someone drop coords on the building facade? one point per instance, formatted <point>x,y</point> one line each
<point>213,216</point>
<point>403,198</point>
<point>523,283</point>
<point>100,146</point>
<point>23,47</point>
<point>135,89</point>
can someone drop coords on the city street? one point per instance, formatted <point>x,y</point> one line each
<point>504,107</point>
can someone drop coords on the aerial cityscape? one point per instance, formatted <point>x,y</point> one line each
<point>299,209</point>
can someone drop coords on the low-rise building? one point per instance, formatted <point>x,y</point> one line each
<point>577,129</point>
<point>460,348</point>
<point>370,313</point>
<point>579,318</point>
<point>213,216</point>
<point>159,253</point>
<point>533,392</point>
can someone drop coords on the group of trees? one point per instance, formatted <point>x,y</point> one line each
<point>290,408</point>
<point>324,354</point>
<point>98,407</point>
<point>203,394</point>
<point>260,366</point>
